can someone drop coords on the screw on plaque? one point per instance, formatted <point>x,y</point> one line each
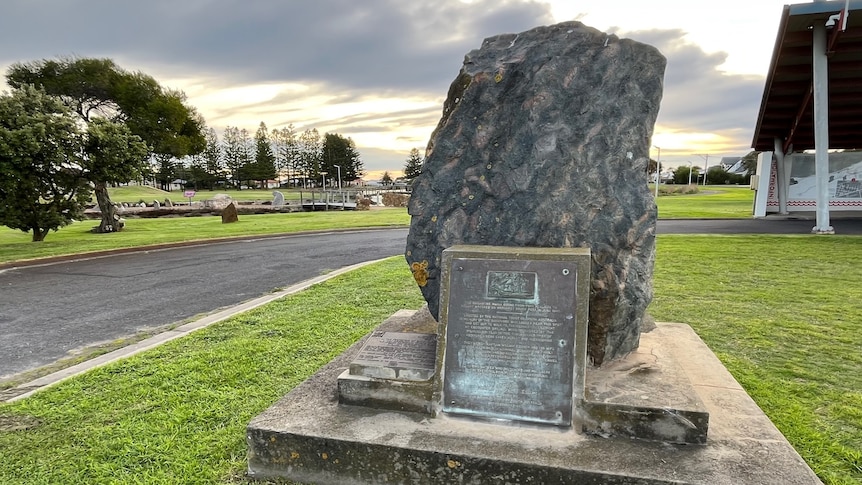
<point>566,272</point>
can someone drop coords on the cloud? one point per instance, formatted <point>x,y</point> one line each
<point>702,103</point>
<point>375,70</point>
<point>348,44</point>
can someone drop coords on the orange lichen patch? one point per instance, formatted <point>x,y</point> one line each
<point>294,455</point>
<point>453,464</point>
<point>420,272</point>
<point>324,455</point>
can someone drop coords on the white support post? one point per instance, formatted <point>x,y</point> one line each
<point>821,129</point>
<point>782,176</point>
<point>764,167</point>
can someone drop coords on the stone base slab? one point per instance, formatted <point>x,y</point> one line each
<point>647,395</point>
<point>308,437</point>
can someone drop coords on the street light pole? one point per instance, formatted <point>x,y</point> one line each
<point>325,200</point>
<point>339,186</point>
<point>689,172</point>
<point>705,166</point>
<point>657,170</point>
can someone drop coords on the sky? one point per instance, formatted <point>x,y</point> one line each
<point>378,71</point>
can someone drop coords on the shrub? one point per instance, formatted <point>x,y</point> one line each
<point>391,199</point>
<point>363,204</point>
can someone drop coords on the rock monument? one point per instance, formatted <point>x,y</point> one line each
<point>539,165</point>
<point>544,142</point>
<point>229,214</point>
<point>277,199</point>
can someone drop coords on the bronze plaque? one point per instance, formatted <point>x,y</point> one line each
<point>397,355</point>
<point>510,339</point>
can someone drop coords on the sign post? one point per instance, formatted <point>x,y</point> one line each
<point>189,194</point>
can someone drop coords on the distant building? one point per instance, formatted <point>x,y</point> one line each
<point>733,165</point>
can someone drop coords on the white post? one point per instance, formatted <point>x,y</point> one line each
<point>339,185</point>
<point>325,199</point>
<point>821,129</point>
<point>689,172</point>
<point>657,171</point>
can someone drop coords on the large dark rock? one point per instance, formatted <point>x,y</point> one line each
<point>544,141</point>
<point>229,214</point>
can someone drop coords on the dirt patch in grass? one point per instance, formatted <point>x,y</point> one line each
<point>17,423</point>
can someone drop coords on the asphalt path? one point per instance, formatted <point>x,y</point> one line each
<point>49,311</point>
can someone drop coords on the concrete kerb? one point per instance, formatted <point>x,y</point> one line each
<point>44,382</point>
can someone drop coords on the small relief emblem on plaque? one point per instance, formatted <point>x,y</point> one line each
<point>511,284</point>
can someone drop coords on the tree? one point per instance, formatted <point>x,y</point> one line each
<point>212,155</point>
<point>246,170</point>
<point>652,168</point>
<point>749,161</point>
<point>338,151</point>
<point>264,159</point>
<point>112,155</point>
<point>166,168</point>
<point>681,174</point>
<point>717,175</point>
<point>40,190</point>
<point>196,173</point>
<point>386,179</point>
<point>286,151</point>
<point>98,88</point>
<point>48,160</point>
<point>413,165</point>
<point>235,153</point>
<point>309,154</point>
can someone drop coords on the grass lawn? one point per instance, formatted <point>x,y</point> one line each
<point>712,202</point>
<point>137,193</point>
<point>782,312</point>
<point>77,238</point>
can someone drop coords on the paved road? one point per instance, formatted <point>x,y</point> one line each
<point>47,311</point>
<point>754,226</point>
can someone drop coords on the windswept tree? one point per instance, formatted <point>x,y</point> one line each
<point>112,155</point>
<point>413,165</point>
<point>47,160</point>
<point>99,89</point>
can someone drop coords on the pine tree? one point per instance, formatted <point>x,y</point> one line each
<point>213,162</point>
<point>264,159</point>
<point>309,154</point>
<point>413,165</point>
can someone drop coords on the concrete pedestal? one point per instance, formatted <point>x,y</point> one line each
<point>309,437</point>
